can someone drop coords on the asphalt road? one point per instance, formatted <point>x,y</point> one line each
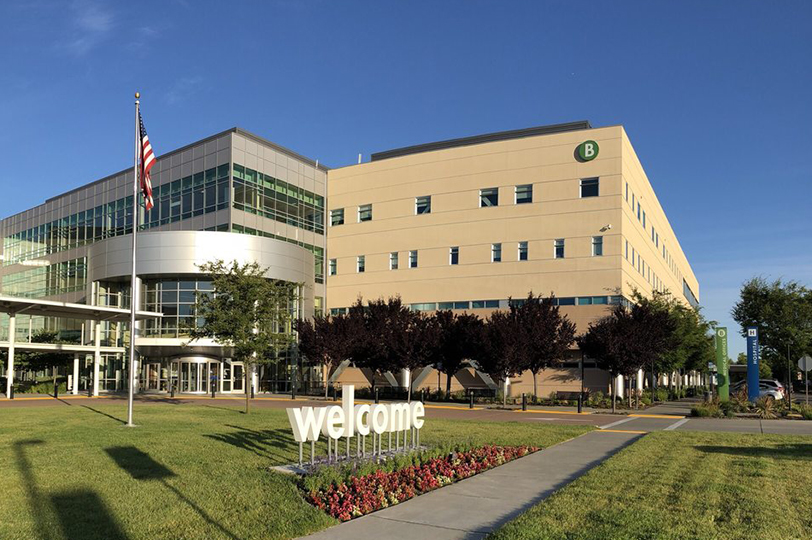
<point>668,416</point>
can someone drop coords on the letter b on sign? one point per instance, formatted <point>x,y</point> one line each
<point>587,151</point>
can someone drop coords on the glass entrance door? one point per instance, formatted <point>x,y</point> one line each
<point>238,384</point>
<point>192,376</point>
<point>153,376</point>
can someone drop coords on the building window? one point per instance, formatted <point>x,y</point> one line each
<point>638,211</point>
<point>522,251</point>
<point>393,260</point>
<point>337,217</point>
<point>644,219</point>
<point>333,267</point>
<point>597,246</point>
<point>627,250</point>
<point>361,264</point>
<point>496,252</point>
<point>627,192</point>
<point>524,194</point>
<point>558,250</point>
<point>488,197</point>
<point>589,187</point>
<point>364,213</point>
<point>413,259</point>
<point>422,205</point>
<point>454,255</point>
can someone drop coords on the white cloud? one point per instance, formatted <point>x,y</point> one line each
<point>182,89</point>
<point>91,25</point>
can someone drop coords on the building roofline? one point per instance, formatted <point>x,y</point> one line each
<point>237,130</point>
<point>480,139</point>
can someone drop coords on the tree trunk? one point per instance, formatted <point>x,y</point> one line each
<point>326,381</point>
<point>447,385</point>
<point>535,388</point>
<point>613,390</point>
<point>247,389</point>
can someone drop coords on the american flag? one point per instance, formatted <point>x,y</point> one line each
<point>147,161</point>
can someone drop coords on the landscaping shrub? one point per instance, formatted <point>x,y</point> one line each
<point>362,494</point>
<point>806,411</point>
<point>708,409</point>
<point>766,408</point>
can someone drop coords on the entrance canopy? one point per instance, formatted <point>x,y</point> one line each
<point>48,308</point>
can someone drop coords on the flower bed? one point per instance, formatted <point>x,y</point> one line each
<point>361,495</point>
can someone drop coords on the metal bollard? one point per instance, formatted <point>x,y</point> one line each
<point>335,393</point>
<point>376,396</point>
<point>580,402</point>
<point>212,391</point>
<point>423,396</point>
<point>56,391</point>
<point>471,404</point>
<point>172,390</point>
<point>11,394</point>
<point>524,401</point>
<point>292,391</point>
<point>252,391</point>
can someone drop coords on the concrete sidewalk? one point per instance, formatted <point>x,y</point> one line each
<point>472,508</point>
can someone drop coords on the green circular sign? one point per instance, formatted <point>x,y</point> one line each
<point>588,150</point>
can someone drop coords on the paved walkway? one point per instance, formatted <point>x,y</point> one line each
<point>472,508</point>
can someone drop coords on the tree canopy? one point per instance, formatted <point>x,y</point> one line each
<point>246,312</point>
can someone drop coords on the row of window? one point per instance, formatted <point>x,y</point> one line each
<point>488,197</point>
<point>637,209</point>
<point>194,195</point>
<point>57,278</point>
<point>317,251</point>
<point>454,255</point>
<point>264,195</point>
<point>644,269</point>
<point>503,304</point>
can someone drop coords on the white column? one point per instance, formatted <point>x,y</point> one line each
<point>12,331</point>
<point>639,381</point>
<point>75,387</point>
<point>619,387</point>
<point>255,379</point>
<point>96,356</point>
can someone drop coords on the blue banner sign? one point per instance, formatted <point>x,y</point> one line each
<point>752,363</point>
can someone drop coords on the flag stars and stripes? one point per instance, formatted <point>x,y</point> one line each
<point>147,159</point>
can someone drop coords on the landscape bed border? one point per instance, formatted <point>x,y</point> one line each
<point>421,472</point>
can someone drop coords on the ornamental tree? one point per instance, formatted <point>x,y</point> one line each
<point>327,340</point>
<point>248,313</point>
<point>548,335</point>
<point>459,339</point>
<point>502,353</point>
<point>622,342</point>
<point>377,325</point>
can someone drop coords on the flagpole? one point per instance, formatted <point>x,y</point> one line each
<point>133,284</point>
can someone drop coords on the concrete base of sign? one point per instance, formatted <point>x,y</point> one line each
<point>308,468</point>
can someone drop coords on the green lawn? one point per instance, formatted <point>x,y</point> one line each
<point>189,471</point>
<point>684,486</point>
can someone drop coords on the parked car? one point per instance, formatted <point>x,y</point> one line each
<point>766,388</point>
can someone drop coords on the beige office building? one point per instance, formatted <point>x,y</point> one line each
<point>469,223</point>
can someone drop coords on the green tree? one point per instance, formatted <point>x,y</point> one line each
<point>690,346</point>
<point>247,312</point>
<point>782,311</point>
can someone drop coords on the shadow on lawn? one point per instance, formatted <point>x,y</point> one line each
<point>141,466</point>
<point>260,442</point>
<point>119,420</point>
<point>82,514</point>
<point>780,451</point>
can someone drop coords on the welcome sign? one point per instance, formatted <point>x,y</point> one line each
<point>347,419</point>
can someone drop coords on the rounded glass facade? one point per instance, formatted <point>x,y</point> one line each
<point>176,299</point>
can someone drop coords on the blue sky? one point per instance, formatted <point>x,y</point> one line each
<point>714,95</point>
